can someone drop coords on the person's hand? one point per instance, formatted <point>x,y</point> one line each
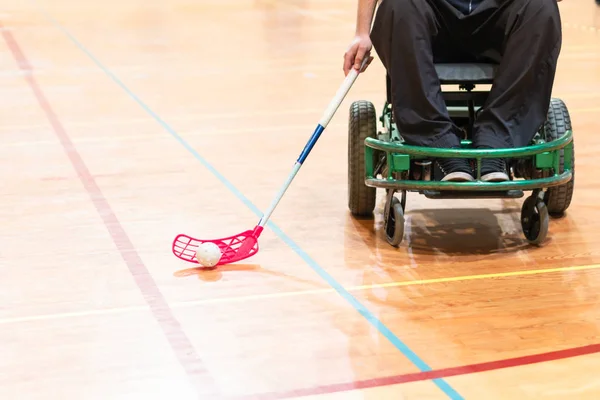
<point>359,49</point>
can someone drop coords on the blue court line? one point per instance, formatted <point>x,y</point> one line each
<point>373,320</point>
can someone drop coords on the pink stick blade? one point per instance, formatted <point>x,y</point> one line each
<point>233,248</point>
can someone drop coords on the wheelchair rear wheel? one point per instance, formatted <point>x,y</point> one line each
<point>362,124</point>
<point>558,122</point>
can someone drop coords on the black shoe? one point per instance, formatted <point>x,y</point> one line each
<point>455,169</point>
<point>494,170</point>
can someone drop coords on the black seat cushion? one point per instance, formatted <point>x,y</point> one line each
<point>466,73</point>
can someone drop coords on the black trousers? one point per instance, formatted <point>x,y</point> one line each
<point>522,36</point>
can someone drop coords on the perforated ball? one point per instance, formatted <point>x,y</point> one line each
<point>208,254</point>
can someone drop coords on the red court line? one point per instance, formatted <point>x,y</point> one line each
<point>428,375</point>
<point>179,342</point>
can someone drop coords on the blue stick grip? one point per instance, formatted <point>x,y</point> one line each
<point>311,142</point>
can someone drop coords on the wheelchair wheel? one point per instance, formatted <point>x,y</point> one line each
<point>394,223</point>
<point>535,220</point>
<point>362,124</point>
<point>558,122</point>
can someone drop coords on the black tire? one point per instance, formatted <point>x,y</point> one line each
<point>394,226</point>
<point>535,220</point>
<point>558,122</point>
<point>361,125</point>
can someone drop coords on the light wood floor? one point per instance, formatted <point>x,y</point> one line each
<point>124,123</point>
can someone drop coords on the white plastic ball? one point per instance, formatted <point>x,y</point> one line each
<point>208,254</point>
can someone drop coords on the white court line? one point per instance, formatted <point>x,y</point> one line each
<point>202,132</point>
<point>173,305</point>
<point>146,71</point>
<point>297,293</point>
<point>158,136</point>
<point>89,313</point>
<point>182,118</point>
<point>193,117</point>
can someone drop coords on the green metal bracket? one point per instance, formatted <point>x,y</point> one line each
<point>544,160</point>
<point>400,162</point>
<point>369,162</point>
<point>568,157</point>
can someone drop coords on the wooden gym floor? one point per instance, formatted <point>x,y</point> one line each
<point>125,123</point>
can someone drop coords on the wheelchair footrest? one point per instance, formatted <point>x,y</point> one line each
<point>456,194</point>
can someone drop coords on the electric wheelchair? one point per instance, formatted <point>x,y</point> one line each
<point>379,158</point>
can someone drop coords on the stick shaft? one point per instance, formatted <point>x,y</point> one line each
<point>323,122</point>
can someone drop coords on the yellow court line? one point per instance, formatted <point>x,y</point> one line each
<point>476,277</point>
<point>384,285</point>
<point>240,299</point>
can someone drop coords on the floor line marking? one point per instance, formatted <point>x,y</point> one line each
<point>298,293</point>
<point>478,276</point>
<point>188,132</point>
<point>74,314</point>
<point>207,117</point>
<point>384,285</point>
<point>241,115</point>
<point>460,370</point>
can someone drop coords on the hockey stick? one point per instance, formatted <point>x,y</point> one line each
<point>245,244</point>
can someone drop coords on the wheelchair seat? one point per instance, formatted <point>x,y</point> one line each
<point>461,73</point>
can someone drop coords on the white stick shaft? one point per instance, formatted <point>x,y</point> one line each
<point>339,97</point>
<point>280,194</point>
<point>327,115</point>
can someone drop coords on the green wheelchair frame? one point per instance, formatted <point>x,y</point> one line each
<point>380,159</point>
